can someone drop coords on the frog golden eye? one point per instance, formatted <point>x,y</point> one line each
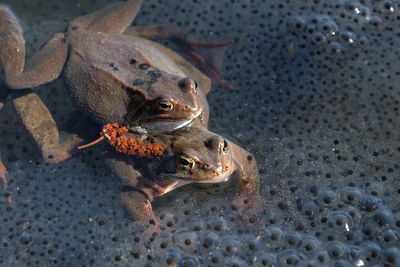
<point>164,104</point>
<point>186,162</point>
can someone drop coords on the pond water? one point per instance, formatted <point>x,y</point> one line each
<point>317,104</point>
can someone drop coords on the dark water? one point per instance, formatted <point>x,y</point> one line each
<point>318,105</point>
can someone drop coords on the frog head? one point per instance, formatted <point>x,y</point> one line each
<point>197,155</point>
<point>168,103</point>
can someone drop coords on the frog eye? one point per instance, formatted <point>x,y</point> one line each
<point>164,104</point>
<point>185,162</point>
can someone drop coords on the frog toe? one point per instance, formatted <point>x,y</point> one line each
<point>62,151</point>
<point>138,206</point>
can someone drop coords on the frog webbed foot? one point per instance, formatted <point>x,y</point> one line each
<point>39,123</point>
<point>62,151</point>
<point>207,58</point>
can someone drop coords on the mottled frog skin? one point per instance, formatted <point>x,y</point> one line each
<point>112,73</point>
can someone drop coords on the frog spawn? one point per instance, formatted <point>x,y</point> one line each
<point>324,139</point>
<point>329,37</point>
<point>352,226</point>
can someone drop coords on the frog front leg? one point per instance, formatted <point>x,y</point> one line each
<point>137,203</point>
<point>186,44</point>
<point>138,206</point>
<point>136,197</point>
<point>248,198</point>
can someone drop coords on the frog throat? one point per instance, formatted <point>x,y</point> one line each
<point>222,177</point>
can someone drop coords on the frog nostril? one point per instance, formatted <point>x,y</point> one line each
<point>221,144</point>
<point>216,143</point>
<point>187,85</point>
<point>225,146</point>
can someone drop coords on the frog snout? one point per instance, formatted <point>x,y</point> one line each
<point>188,88</point>
<point>216,169</point>
<point>191,109</point>
<point>187,85</point>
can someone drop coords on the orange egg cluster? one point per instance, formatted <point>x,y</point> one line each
<point>115,136</point>
<point>114,133</point>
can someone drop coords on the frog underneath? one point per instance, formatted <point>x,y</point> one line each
<point>193,155</point>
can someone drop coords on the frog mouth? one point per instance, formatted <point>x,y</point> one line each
<point>222,175</point>
<point>159,126</point>
<point>162,125</point>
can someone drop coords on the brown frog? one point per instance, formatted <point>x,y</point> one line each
<point>193,155</point>
<point>112,73</point>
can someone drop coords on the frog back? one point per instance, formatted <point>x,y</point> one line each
<point>127,57</point>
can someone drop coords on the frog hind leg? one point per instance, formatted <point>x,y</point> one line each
<point>112,18</point>
<point>41,126</point>
<point>44,66</point>
<point>187,44</point>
